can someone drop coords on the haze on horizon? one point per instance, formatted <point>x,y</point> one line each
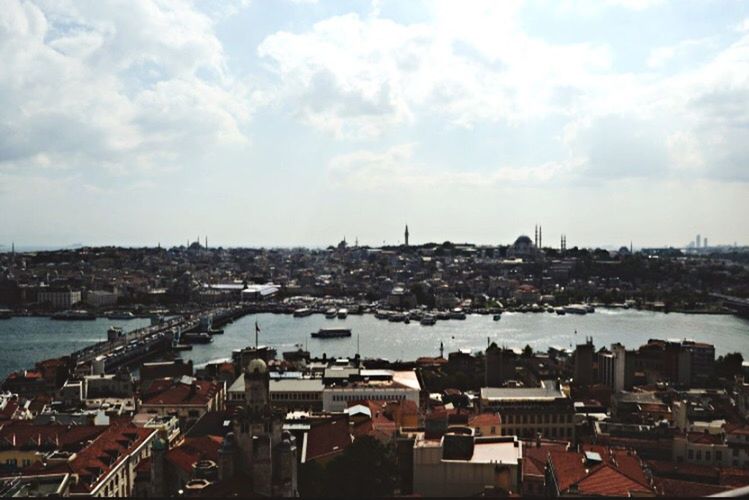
<point>296,123</point>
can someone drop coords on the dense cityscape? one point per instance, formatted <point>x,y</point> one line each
<point>129,416</point>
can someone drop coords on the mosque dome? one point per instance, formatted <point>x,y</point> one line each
<point>257,365</point>
<point>523,241</point>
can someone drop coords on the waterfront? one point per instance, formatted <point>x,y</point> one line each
<point>26,340</point>
<point>29,339</point>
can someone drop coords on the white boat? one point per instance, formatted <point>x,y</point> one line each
<point>576,309</point>
<point>342,313</point>
<point>302,312</point>
<point>331,313</point>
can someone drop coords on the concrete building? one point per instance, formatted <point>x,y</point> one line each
<point>461,464</point>
<point>395,386</point>
<point>500,365</point>
<point>58,298</point>
<point>187,398</point>
<point>584,363</point>
<point>529,411</point>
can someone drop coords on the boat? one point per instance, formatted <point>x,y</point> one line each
<point>114,332</point>
<point>342,313</point>
<point>331,313</point>
<point>382,314</point>
<point>457,313</point>
<point>302,312</point>
<point>5,314</point>
<point>560,311</point>
<point>120,315</point>
<point>196,338</point>
<point>331,333</point>
<point>77,315</point>
<point>497,316</point>
<point>407,320</point>
<point>428,320</point>
<point>590,308</point>
<point>576,309</point>
<point>397,318</point>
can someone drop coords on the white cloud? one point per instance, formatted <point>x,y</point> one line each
<point>132,86</point>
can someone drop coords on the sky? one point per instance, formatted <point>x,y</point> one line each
<point>299,123</point>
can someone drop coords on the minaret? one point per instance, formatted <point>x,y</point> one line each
<point>406,235</point>
<point>206,242</point>
<point>540,237</point>
<point>535,235</point>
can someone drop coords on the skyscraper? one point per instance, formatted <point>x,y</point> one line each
<point>697,242</point>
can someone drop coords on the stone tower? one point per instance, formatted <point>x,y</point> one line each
<point>158,459</point>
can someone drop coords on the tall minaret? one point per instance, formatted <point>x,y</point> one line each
<point>540,237</point>
<point>535,235</point>
<point>406,235</point>
<point>206,242</point>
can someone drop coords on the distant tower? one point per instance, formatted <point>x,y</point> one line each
<point>704,242</point>
<point>406,235</point>
<point>442,350</point>
<point>540,237</point>
<point>697,242</point>
<point>206,242</point>
<point>535,235</point>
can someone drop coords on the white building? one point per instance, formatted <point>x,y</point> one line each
<point>58,298</point>
<point>462,465</point>
<point>402,386</point>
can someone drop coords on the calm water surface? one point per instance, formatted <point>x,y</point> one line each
<point>26,340</point>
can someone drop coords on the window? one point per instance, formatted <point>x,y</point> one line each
<point>494,429</point>
<point>707,456</point>
<point>699,454</point>
<point>718,456</point>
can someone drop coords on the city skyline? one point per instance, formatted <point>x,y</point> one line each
<point>295,123</point>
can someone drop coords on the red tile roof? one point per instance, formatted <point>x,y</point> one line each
<point>22,434</point>
<point>175,393</point>
<point>192,450</point>
<point>677,488</point>
<point>484,419</point>
<point>327,438</point>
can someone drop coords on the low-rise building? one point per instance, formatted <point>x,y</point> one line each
<point>461,464</point>
<point>529,411</point>
<point>186,398</point>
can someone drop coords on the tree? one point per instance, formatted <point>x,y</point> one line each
<point>729,365</point>
<point>365,469</point>
<point>527,351</point>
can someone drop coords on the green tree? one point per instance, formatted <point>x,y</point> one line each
<point>729,365</point>
<point>365,469</point>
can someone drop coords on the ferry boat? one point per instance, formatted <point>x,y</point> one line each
<point>428,320</point>
<point>342,313</point>
<point>77,315</point>
<point>196,338</point>
<point>120,315</point>
<point>576,309</point>
<point>302,312</point>
<point>331,313</point>
<point>331,333</point>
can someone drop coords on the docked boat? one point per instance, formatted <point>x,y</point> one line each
<point>5,314</point>
<point>331,313</point>
<point>331,333</point>
<point>302,312</point>
<point>497,316</point>
<point>342,313</point>
<point>457,313</point>
<point>428,320</point>
<point>196,338</point>
<point>590,308</point>
<point>397,318</point>
<point>407,320</point>
<point>77,315</point>
<point>560,311</point>
<point>382,314</point>
<point>576,309</point>
<point>120,315</point>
